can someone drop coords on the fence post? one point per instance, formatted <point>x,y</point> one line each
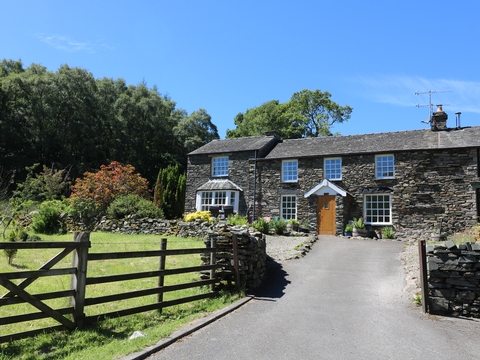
<point>161,277</point>
<point>79,279</point>
<point>235,262</point>
<point>422,254</point>
<point>213,260</point>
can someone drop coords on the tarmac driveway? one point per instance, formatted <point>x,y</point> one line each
<point>344,300</point>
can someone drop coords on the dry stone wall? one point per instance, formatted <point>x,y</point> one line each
<point>454,279</point>
<point>252,254</point>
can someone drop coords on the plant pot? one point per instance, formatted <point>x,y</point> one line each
<point>347,233</point>
<point>359,232</point>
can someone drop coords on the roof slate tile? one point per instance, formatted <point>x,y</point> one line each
<point>377,143</point>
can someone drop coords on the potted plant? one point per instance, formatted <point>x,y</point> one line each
<point>387,232</point>
<point>348,230</point>
<point>294,223</point>
<point>304,226</point>
<point>359,227</point>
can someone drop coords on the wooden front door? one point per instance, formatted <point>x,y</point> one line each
<point>326,215</point>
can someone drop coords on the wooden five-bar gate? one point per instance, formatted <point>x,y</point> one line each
<point>73,317</point>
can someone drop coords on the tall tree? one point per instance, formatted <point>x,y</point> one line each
<point>306,114</point>
<point>316,112</point>
<point>271,115</point>
<point>67,118</point>
<point>169,192</point>
<point>195,130</point>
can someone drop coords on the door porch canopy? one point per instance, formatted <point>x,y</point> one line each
<point>326,188</point>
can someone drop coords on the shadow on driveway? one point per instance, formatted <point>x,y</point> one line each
<point>274,284</point>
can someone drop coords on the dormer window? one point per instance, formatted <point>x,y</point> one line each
<point>220,166</point>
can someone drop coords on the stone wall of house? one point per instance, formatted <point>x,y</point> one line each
<point>429,187</point>
<point>454,279</point>
<point>199,171</point>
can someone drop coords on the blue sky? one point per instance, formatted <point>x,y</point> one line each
<point>229,56</point>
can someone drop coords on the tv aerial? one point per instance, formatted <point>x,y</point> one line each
<point>430,92</point>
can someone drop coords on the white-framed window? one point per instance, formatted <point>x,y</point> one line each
<point>384,166</point>
<point>220,166</point>
<point>289,170</point>
<point>378,209</point>
<point>288,207</point>
<point>333,168</point>
<point>205,199</point>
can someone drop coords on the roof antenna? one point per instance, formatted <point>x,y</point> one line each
<point>430,92</point>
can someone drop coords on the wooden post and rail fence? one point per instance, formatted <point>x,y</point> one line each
<point>73,317</point>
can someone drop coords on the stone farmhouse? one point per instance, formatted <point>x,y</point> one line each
<point>417,182</point>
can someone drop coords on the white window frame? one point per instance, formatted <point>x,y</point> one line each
<point>217,198</point>
<point>287,211</point>
<point>377,209</point>
<point>385,166</point>
<point>289,171</point>
<point>220,165</point>
<point>332,166</point>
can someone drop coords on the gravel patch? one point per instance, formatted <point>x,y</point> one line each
<point>410,260</point>
<point>281,248</point>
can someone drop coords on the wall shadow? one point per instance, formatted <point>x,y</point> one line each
<point>274,284</point>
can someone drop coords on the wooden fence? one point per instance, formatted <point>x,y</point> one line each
<point>79,281</point>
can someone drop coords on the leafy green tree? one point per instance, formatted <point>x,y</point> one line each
<point>70,119</point>
<point>170,192</point>
<point>195,130</point>
<point>271,115</point>
<point>49,184</point>
<point>146,129</point>
<point>307,114</point>
<point>10,66</point>
<point>316,112</point>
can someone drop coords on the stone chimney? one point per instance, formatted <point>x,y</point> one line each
<point>439,119</point>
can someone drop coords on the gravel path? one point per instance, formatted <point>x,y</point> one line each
<point>281,248</point>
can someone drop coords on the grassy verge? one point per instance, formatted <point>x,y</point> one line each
<point>108,339</point>
<point>471,235</point>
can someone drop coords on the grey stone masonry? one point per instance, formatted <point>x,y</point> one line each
<point>428,187</point>
<point>199,172</point>
<point>252,255</point>
<point>454,279</point>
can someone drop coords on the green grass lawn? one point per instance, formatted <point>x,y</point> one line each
<point>107,339</point>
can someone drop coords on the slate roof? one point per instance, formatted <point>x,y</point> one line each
<point>377,143</point>
<point>220,184</point>
<point>235,145</point>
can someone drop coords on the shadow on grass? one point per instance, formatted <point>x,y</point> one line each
<point>23,267</point>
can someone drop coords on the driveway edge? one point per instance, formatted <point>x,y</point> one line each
<point>186,330</point>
